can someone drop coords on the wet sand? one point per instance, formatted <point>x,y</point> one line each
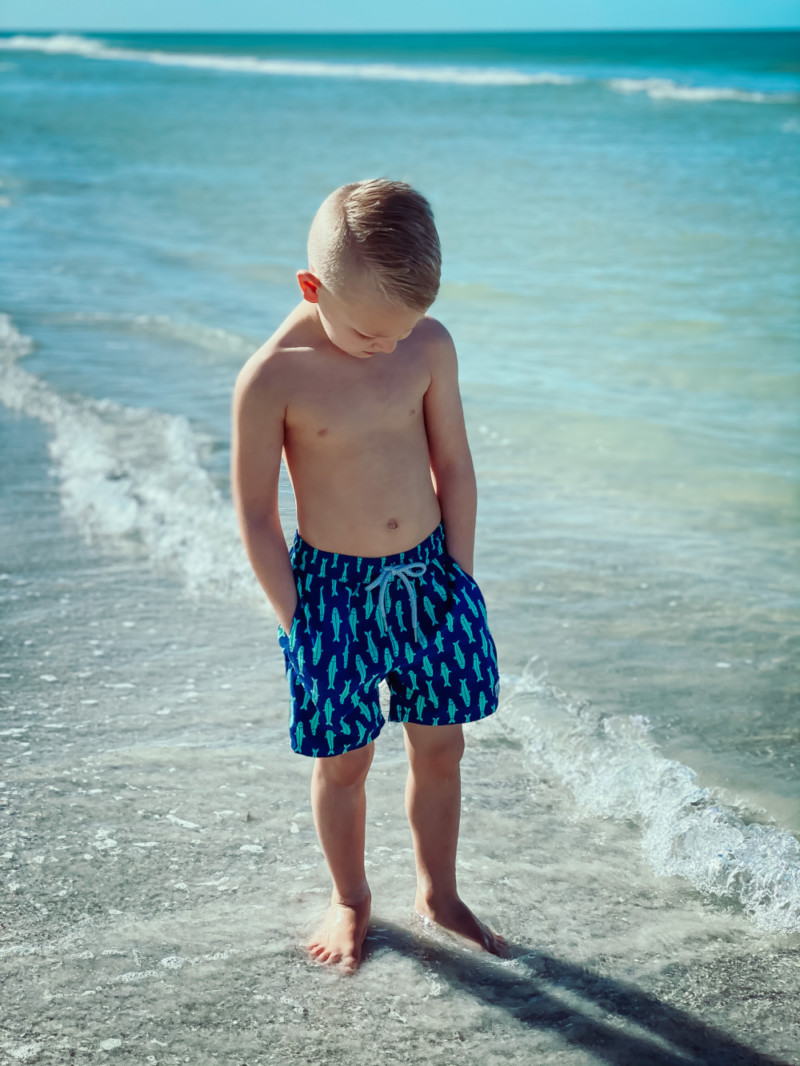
<point>161,871</point>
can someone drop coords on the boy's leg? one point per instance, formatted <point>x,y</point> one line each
<point>338,800</point>
<point>433,804</point>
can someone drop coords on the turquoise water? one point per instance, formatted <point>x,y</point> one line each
<point>619,215</point>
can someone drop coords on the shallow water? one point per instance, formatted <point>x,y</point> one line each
<point>162,870</point>
<point>617,215</point>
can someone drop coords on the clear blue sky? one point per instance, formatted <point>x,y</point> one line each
<point>326,15</point>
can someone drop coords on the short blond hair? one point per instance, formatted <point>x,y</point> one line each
<point>382,232</point>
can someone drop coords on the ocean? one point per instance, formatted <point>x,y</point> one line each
<point>619,215</point>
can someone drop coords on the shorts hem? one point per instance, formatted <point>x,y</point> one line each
<point>321,752</point>
<point>464,718</point>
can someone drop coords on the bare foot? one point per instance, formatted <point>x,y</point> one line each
<point>338,940</point>
<point>455,917</point>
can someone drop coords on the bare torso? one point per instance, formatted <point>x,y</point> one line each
<point>355,442</point>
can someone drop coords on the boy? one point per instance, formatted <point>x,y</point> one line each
<point>358,389</point>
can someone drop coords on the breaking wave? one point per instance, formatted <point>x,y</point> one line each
<point>664,89</point>
<point>64,44</point>
<point>655,88</point>
<point>135,476</point>
<point>614,769</point>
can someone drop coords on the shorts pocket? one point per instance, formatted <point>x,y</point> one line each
<point>470,590</point>
<point>467,577</point>
<point>282,634</point>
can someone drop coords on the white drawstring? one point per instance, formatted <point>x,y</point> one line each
<point>404,573</point>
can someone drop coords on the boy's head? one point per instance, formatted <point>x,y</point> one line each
<point>377,237</point>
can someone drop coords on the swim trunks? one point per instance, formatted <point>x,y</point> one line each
<point>415,619</point>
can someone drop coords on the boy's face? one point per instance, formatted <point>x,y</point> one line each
<point>362,322</point>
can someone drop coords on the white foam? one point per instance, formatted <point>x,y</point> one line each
<point>135,476</point>
<point>616,770</point>
<point>57,44</point>
<point>664,89</point>
<point>64,44</point>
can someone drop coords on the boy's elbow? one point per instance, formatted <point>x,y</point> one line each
<point>256,516</point>
<point>455,468</point>
<point>259,520</point>
<point>459,476</point>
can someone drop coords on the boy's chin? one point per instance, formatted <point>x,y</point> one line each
<point>356,354</point>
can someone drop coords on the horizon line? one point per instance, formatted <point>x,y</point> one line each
<point>394,32</point>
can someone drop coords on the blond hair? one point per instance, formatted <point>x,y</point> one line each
<point>381,232</point>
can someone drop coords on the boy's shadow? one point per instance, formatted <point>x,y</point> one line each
<point>617,1022</point>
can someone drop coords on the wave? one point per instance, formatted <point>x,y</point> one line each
<point>64,44</point>
<point>209,338</point>
<point>135,476</point>
<point>664,89</point>
<point>655,88</point>
<point>615,769</point>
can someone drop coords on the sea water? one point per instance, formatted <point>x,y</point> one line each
<point>619,217</point>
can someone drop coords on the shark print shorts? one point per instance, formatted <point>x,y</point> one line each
<point>415,619</point>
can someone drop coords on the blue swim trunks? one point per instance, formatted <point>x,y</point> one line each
<point>415,619</point>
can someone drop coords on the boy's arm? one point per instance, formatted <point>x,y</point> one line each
<point>451,461</point>
<point>256,446</point>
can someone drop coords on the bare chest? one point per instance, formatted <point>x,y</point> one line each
<point>352,399</point>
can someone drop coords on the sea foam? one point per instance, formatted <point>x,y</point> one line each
<point>615,769</point>
<point>135,476</point>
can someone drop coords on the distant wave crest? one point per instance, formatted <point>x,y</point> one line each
<point>615,770</point>
<point>664,89</point>
<point>65,44</point>
<point>655,88</point>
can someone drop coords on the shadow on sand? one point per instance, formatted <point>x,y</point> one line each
<point>617,1022</point>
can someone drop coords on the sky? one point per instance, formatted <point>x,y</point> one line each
<point>331,15</point>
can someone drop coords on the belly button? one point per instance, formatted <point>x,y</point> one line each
<point>392,523</point>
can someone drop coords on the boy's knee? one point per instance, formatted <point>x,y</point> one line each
<point>347,770</point>
<point>438,749</point>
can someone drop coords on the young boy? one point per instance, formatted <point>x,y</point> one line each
<point>358,389</point>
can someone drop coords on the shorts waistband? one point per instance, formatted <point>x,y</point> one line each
<point>335,565</point>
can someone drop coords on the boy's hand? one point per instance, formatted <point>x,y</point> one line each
<point>285,617</point>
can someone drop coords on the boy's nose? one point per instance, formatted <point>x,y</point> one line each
<point>387,346</point>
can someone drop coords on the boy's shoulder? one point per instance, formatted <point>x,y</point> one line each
<point>275,358</point>
<point>434,342</point>
<point>431,331</point>
<point>437,344</point>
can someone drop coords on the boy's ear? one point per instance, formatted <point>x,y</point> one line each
<point>309,285</point>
